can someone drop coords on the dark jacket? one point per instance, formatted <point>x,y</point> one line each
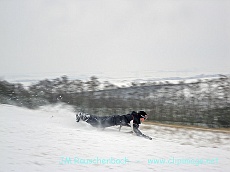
<point>124,120</point>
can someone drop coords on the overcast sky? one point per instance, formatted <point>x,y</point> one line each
<point>82,36</point>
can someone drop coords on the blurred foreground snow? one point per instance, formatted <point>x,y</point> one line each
<point>49,139</point>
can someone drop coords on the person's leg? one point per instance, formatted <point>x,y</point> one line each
<point>107,121</point>
<point>98,121</point>
<point>91,119</point>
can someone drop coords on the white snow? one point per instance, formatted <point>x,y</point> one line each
<point>49,139</point>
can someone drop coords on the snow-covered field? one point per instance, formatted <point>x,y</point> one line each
<point>49,139</point>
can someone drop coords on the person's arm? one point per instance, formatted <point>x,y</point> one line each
<point>138,132</point>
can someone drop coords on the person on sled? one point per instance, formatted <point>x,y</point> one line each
<point>131,120</point>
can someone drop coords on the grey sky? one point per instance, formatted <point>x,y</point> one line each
<point>114,35</point>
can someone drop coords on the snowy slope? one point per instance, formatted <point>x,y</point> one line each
<point>49,139</point>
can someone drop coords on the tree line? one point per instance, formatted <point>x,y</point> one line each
<point>200,103</point>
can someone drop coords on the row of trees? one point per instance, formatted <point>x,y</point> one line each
<point>198,103</point>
